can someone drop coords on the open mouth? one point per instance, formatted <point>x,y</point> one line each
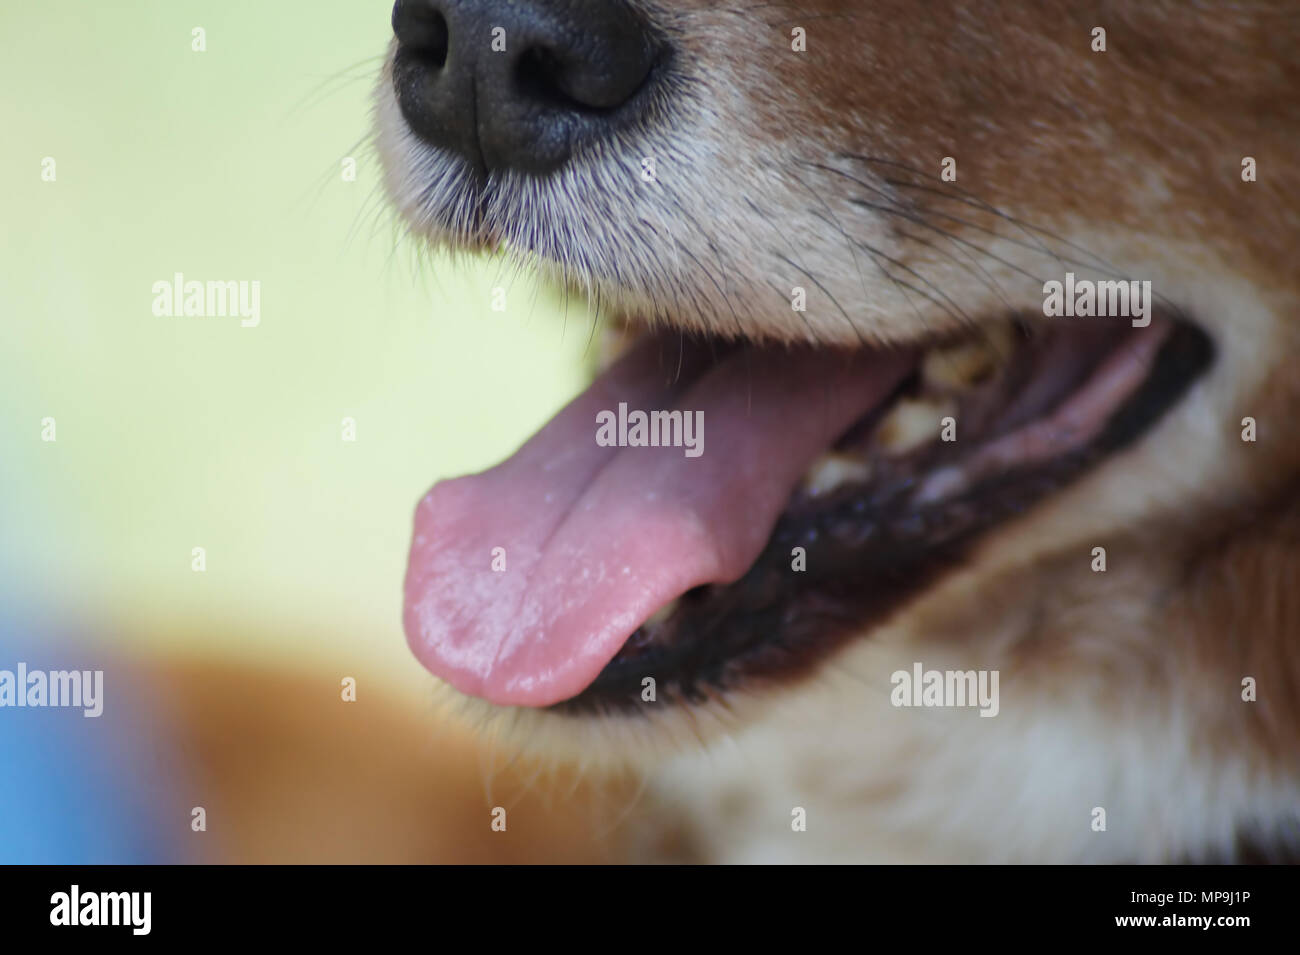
<point>823,490</point>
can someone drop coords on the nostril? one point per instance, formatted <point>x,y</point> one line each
<point>543,76</point>
<point>539,78</point>
<point>421,31</point>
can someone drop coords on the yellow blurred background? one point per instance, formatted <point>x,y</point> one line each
<point>173,433</point>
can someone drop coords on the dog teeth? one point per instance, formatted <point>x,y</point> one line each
<point>832,470</point>
<point>912,422</point>
<point>945,482</point>
<point>662,614</point>
<point>965,365</point>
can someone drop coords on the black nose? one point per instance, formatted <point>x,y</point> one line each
<point>517,84</point>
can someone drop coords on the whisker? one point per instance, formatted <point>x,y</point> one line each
<point>825,291</point>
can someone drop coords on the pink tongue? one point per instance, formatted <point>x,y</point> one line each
<point>596,539</point>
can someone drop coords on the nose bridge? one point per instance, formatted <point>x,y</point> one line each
<point>487,40</point>
<point>493,33</point>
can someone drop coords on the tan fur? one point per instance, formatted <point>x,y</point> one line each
<point>289,775</point>
<point>1123,689</point>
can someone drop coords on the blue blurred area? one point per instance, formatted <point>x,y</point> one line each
<point>77,790</point>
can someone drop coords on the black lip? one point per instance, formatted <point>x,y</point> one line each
<point>871,559</point>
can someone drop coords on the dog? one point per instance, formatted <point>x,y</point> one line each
<point>988,313</point>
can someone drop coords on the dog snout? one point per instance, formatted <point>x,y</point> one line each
<point>518,84</point>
